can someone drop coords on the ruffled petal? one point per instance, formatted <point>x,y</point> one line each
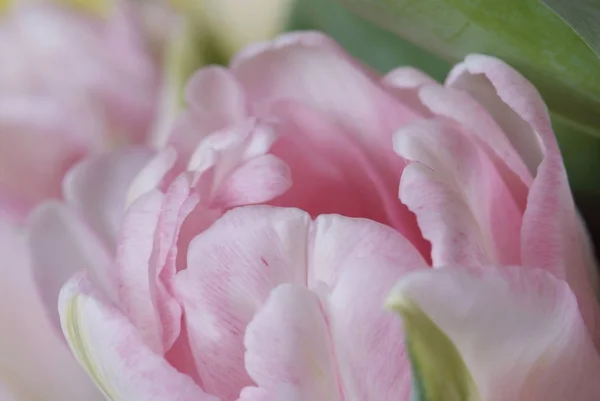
<point>518,331</point>
<point>462,204</point>
<point>114,354</point>
<point>553,237</point>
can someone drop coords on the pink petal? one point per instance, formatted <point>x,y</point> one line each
<point>97,188</point>
<point>235,264</point>
<point>310,68</point>
<point>215,100</point>
<point>259,394</point>
<point>485,131</point>
<point>34,361</point>
<point>287,343</point>
<point>214,91</point>
<point>232,267</point>
<point>146,263</point>
<point>334,171</point>
<point>462,204</point>
<point>338,241</point>
<point>404,84</point>
<point>343,346</point>
<point>368,340</point>
<point>471,77</point>
<point>153,175</point>
<point>257,181</point>
<point>553,237</point>
<point>113,352</point>
<point>518,330</point>
<point>135,273</point>
<point>222,152</point>
<point>61,245</point>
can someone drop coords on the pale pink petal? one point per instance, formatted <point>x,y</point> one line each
<point>179,202</point>
<point>220,153</point>
<point>256,181</point>
<point>483,129</point>
<point>113,352</point>
<point>310,68</point>
<point>232,267</point>
<point>35,363</point>
<point>368,340</point>
<point>518,330</point>
<point>347,257</point>
<point>97,189</point>
<point>235,264</point>
<point>553,237</point>
<point>288,343</point>
<point>146,261</point>
<point>336,241</point>
<point>61,244</point>
<point>340,345</point>
<point>462,204</point>
<point>259,394</point>
<point>215,100</point>
<point>136,275</point>
<point>470,76</point>
<point>152,175</point>
<point>215,91</point>
<point>404,84</point>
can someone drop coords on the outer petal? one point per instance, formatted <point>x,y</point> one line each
<point>35,364</point>
<point>461,201</point>
<point>518,330</point>
<point>310,68</point>
<point>62,245</point>
<point>337,241</point>
<point>457,104</point>
<point>371,357</point>
<point>97,189</point>
<point>553,237</point>
<point>288,344</point>
<point>114,354</point>
<point>341,346</point>
<point>235,264</point>
<point>481,127</point>
<point>232,268</point>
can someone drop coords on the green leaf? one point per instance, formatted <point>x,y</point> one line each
<point>376,47</point>
<point>581,15</point>
<point>525,33</point>
<point>439,373</point>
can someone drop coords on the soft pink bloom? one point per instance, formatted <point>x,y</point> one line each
<point>348,183</point>
<point>71,84</point>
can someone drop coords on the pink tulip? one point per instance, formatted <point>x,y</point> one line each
<point>71,84</point>
<point>250,258</point>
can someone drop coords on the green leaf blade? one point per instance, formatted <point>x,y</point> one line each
<point>583,16</point>
<point>525,33</point>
